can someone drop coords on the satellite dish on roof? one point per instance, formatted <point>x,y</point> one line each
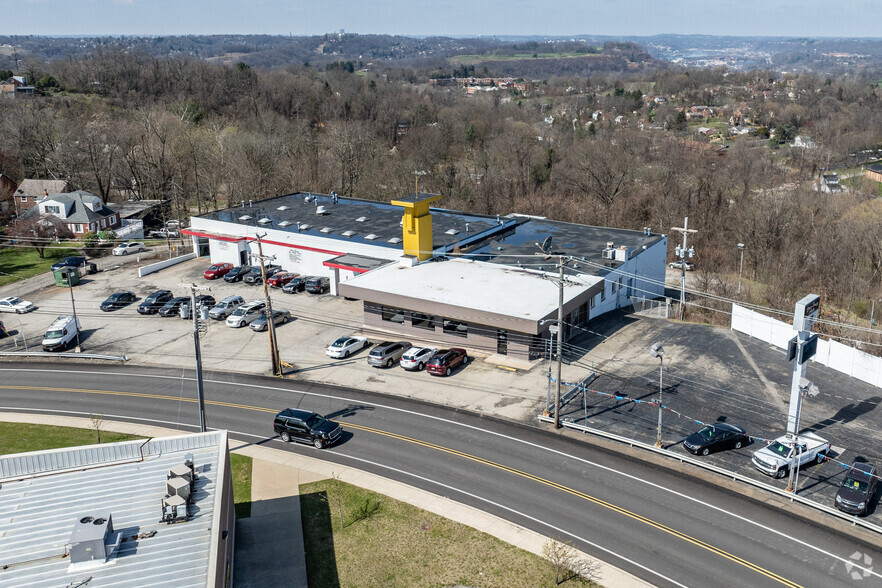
<point>546,244</point>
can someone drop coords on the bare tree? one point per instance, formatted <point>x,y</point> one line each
<point>566,563</point>
<point>97,421</point>
<point>39,231</point>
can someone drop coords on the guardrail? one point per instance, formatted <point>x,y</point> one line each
<point>65,355</point>
<point>791,496</point>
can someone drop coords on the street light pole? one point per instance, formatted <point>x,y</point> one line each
<point>560,289</point>
<point>656,351</point>
<point>740,266</point>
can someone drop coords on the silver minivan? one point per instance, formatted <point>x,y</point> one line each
<point>225,307</point>
<point>245,313</point>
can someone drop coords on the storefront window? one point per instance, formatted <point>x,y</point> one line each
<point>422,321</point>
<point>452,327</point>
<point>393,315</point>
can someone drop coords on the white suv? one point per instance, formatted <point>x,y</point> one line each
<point>416,358</point>
<point>245,314</point>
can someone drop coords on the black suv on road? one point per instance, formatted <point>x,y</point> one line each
<point>154,302</point>
<point>293,424</point>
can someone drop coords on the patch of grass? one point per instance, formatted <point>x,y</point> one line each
<point>23,437</point>
<point>398,545</point>
<point>240,466</point>
<point>18,263</point>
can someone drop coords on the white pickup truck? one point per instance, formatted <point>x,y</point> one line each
<point>776,458</point>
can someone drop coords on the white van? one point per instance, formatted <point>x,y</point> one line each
<point>60,333</point>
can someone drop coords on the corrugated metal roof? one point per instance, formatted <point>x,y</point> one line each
<point>55,488</point>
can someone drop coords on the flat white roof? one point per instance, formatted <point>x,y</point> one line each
<point>486,287</point>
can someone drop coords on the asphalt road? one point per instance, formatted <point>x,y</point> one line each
<point>664,527</point>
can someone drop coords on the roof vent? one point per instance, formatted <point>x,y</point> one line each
<point>264,221</point>
<point>284,224</point>
<point>371,237</point>
<point>326,230</point>
<point>283,207</point>
<point>305,227</point>
<point>609,244</point>
<point>321,210</point>
<point>245,217</point>
<point>451,232</point>
<point>395,240</point>
<point>361,219</point>
<point>347,233</point>
<point>307,198</point>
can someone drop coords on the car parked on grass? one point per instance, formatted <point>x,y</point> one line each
<point>225,307</point>
<point>346,346</point>
<point>254,277</point>
<point>280,317</point>
<point>416,358</point>
<point>445,361</point>
<point>857,490</point>
<point>295,285</point>
<point>217,270</point>
<point>118,300</point>
<point>70,261</point>
<point>245,313</point>
<point>303,426</point>
<point>173,306</point>
<point>130,247</point>
<point>386,353</point>
<point>237,273</point>
<point>318,285</point>
<point>280,279</point>
<point>16,305</point>
<point>155,301</point>
<point>716,437</point>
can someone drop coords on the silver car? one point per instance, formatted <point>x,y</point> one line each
<point>225,307</point>
<point>386,353</point>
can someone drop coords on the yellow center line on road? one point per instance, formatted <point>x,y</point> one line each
<point>468,456</point>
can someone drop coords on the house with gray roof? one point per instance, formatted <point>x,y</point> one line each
<point>81,211</point>
<point>29,191</point>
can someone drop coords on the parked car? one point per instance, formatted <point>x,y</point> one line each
<point>445,361</point>
<point>245,313</point>
<point>346,346</point>
<point>61,333</point>
<point>386,353</point>
<point>3,332</point>
<point>716,437</point>
<point>130,247</point>
<point>165,234</point>
<point>254,278</point>
<point>155,301</point>
<point>303,426</point>
<point>318,285</point>
<point>225,307</point>
<point>173,306</point>
<point>280,317</point>
<point>16,305</point>
<point>280,279</point>
<point>857,489</point>
<point>295,285</point>
<point>677,265</point>
<point>218,270</point>
<point>72,261</point>
<point>778,457</point>
<point>206,300</point>
<point>237,273</point>
<point>118,300</point>
<point>416,358</point>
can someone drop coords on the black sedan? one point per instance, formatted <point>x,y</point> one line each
<point>237,273</point>
<point>118,300</point>
<point>294,286</point>
<point>173,306</point>
<point>716,437</point>
<point>72,261</point>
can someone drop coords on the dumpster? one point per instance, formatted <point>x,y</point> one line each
<point>67,276</point>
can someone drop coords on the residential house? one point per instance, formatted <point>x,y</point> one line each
<point>29,191</point>
<point>829,184</point>
<point>874,172</point>
<point>803,142</point>
<point>81,211</point>
<point>7,189</point>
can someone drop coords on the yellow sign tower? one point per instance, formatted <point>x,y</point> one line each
<point>417,224</point>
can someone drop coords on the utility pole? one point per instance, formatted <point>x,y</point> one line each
<point>560,289</point>
<point>73,270</point>
<point>740,266</point>
<point>681,252</point>
<point>200,393</point>
<point>270,325</point>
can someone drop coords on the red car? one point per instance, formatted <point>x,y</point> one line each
<point>446,360</point>
<point>280,279</point>
<point>218,270</point>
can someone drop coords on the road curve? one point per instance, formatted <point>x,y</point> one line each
<point>665,528</point>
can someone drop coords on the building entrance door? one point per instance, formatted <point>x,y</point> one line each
<point>502,342</point>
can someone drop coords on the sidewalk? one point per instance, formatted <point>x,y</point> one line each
<point>266,556</point>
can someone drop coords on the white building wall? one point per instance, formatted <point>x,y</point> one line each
<point>644,273</point>
<point>295,252</point>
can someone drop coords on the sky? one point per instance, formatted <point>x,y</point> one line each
<point>796,18</point>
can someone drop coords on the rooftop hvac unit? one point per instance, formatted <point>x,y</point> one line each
<point>93,538</point>
<point>174,510</point>
<point>321,210</point>
<point>178,487</point>
<point>608,254</point>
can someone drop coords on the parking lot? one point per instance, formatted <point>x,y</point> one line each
<point>710,373</point>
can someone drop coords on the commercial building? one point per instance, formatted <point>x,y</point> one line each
<point>155,512</point>
<point>428,274</point>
